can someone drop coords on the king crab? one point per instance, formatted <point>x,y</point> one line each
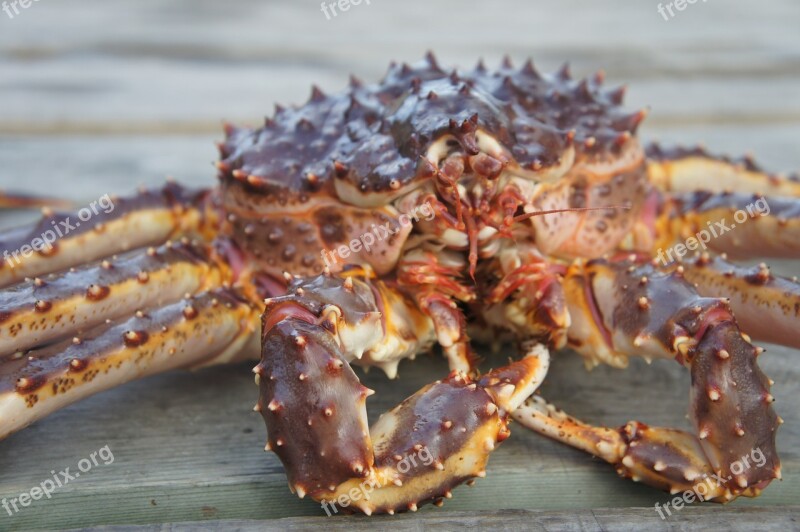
<point>547,214</point>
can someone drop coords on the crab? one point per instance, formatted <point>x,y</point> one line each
<point>433,208</point>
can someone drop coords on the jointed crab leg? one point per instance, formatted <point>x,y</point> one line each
<point>375,323</point>
<point>740,225</point>
<point>209,328</point>
<point>14,200</point>
<point>689,169</point>
<point>435,278</point>
<point>622,309</point>
<point>668,459</point>
<point>766,306</point>
<point>725,205</point>
<point>527,298</point>
<point>314,405</point>
<point>71,306</point>
<point>59,241</point>
<point>43,309</point>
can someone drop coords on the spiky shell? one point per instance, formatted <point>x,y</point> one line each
<point>365,145</point>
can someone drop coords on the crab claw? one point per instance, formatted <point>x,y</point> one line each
<point>315,410</point>
<point>624,308</point>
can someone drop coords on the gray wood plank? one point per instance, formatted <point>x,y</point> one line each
<point>601,519</point>
<point>154,69</point>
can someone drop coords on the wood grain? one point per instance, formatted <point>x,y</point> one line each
<point>620,519</point>
<point>98,97</point>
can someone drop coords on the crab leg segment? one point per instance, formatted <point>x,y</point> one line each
<point>668,459</point>
<point>375,324</point>
<point>315,407</point>
<point>683,169</point>
<point>209,328</point>
<point>113,225</point>
<point>57,305</point>
<point>435,279</point>
<point>13,200</point>
<point>448,429</point>
<point>528,298</point>
<point>622,309</point>
<point>741,225</point>
<point>766,306</point>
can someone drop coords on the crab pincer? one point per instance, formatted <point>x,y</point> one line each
<point>623,309</point>
<point>314,407</point>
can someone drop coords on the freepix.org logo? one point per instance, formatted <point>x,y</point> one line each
<point>44,243</point>
<point>378,234</point>
<point>422,457</point>
<point>670,9</point>
<point>342,5</point>
<point>47,487</point>
<point>12,8</point>
<point>716,229</point>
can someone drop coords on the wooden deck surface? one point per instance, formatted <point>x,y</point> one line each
<point>99,96</point>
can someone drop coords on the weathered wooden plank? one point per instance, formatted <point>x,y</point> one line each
<point>86,167</point>
<point>601,519</point>
<point>152,75</point>
<point>204,29</point>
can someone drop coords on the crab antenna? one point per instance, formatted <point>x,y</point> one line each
<point>523,217</point>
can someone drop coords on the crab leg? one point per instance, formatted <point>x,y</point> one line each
<point>668,459</point>
<point>209,328</point>
<point>59,241</point>
<point>13,200</point>
<point>622,309</point>
<point>315,407</point>
<point>729,206</point>
<point>434,279</point>
<point>527,298</point>
<point>766,306</point>
<point>682,169</point>
<point>741,225</point>
<point>40,310</point>
<point>378,325</point>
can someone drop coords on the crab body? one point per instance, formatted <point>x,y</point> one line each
<point>362,228</point>
<point>316,177</point>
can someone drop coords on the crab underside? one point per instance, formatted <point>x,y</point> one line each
<point>433,208</point>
